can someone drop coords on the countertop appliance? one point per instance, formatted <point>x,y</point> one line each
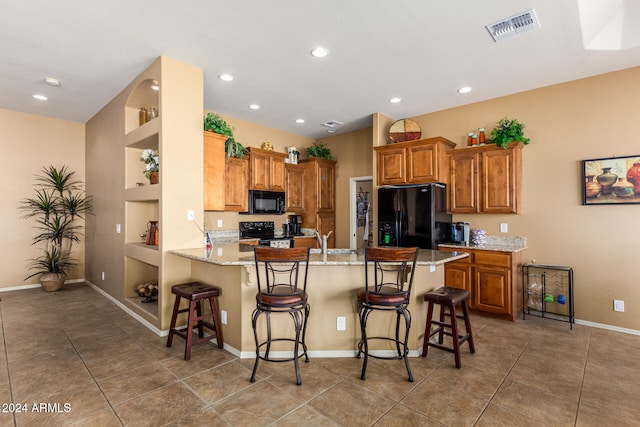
<point>264,231</point>
<point>266,202</point>
<point>413,215</point>
<point>295,224</point>
<point>460,233</point>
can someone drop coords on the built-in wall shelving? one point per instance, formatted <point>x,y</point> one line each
<point>174,91</point>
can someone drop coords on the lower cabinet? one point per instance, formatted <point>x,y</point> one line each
<point>493,279</point>
<point>305,242</point>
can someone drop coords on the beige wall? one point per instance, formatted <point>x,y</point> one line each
<point>30,143</point>
<point>584,119</point>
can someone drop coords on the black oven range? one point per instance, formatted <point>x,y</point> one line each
<point>264,231</point>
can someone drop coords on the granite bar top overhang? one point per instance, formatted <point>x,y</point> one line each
<point>230,254</point>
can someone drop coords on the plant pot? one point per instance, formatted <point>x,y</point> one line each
<point>52,282</point>
<point>154,177</point>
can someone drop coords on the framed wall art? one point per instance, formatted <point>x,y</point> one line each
<point>611,181</point>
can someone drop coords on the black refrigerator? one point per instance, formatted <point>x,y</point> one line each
<point>414,215</point>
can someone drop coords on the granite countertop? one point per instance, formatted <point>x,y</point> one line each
<point>493,243</point>
<point>230,254</point>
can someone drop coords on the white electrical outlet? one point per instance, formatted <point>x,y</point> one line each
<point>341,323</point>
<point>618,305</point>
<point>223,317</point>
<point>219,223</point>
<point>504,227</point>
<point>190,215</point>
<point>118,228</point>
<point>103,275</point>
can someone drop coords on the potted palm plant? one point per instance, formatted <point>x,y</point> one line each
<point>58,207</point>
<point>320,150</point>
<point>216,124</point>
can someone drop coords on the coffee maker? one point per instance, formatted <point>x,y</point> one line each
<point>460,233</point>
<point>295,222</point>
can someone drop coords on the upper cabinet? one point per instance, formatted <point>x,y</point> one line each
<point>235,188</point>
<point>485,179</point>
<point>413,162</point>
<point>214,171</point>
<point>294,187</point>
<point>266,170</point>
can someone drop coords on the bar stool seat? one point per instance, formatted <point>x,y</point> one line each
<point>447,298</point>
<point>195,292</point>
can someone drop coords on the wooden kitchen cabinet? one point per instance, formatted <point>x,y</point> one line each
<point>319,196</point>
<point>305,242</point>
<point>485,179</point>
<point>236,179</point>
<point>266,170</point>
<point>413,162</point>
<point>492,278</point>
<point>294,187</point>
<point>214,169</point>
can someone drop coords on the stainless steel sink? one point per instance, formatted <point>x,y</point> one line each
<point>336,251</point>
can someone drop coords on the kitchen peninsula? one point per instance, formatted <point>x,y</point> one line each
<point>332,284</point>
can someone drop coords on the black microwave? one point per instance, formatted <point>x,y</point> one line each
<point>266,202</point>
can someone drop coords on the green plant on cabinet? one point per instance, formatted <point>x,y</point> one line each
<point>216,124</point>
<point>506,131</point>
<point>320,150</point>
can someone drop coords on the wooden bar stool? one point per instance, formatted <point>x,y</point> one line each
<point>195,292</point>
<point>448,298</point>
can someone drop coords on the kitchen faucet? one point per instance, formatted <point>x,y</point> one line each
<point>322,241</point>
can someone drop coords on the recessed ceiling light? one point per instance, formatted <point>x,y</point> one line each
<point>40,97</point>
<point>331,131</point>
<point>395,100</point>
<point>51,81</point>
<point>465,89</point>
<point>225,77</point>
<point>154,85</point>
<point>299,120</point>
<point>320,52</point>
<point>254,106</point>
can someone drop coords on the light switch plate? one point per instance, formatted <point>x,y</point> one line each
<point>504,227</point>
<point>219,223</point>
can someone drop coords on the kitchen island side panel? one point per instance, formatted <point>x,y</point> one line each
<point>332,292</point>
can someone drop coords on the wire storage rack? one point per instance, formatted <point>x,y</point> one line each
<point>548,292</point>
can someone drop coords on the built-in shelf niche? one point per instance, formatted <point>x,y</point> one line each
<point>142,272</point>
<point>143,96</point>
<point>138,216</point>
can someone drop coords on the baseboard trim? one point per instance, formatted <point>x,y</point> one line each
<point>607,327</point>
<point>35,285</point>
<point>127,310</point>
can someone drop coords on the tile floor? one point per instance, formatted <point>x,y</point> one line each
<point>75,347</point>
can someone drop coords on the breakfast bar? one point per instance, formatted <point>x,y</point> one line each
<point>332,283</point>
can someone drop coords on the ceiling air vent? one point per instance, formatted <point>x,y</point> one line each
<point>514,25</point>
<point>332,124</point>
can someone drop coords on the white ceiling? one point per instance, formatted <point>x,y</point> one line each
<point>419,50</point>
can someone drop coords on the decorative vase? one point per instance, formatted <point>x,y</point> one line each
<point>154,177</point>
<point>152,233</point>
<point>52,282</point>
<point>478,237</point>
<point>633,176</point>
<point>607,179</point>
<point>622,188</point>
<point>592,188</point>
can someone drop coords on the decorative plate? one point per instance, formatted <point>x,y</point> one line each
<point>404,130</point>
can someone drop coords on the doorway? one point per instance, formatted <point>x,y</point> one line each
<point>360,211</point>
